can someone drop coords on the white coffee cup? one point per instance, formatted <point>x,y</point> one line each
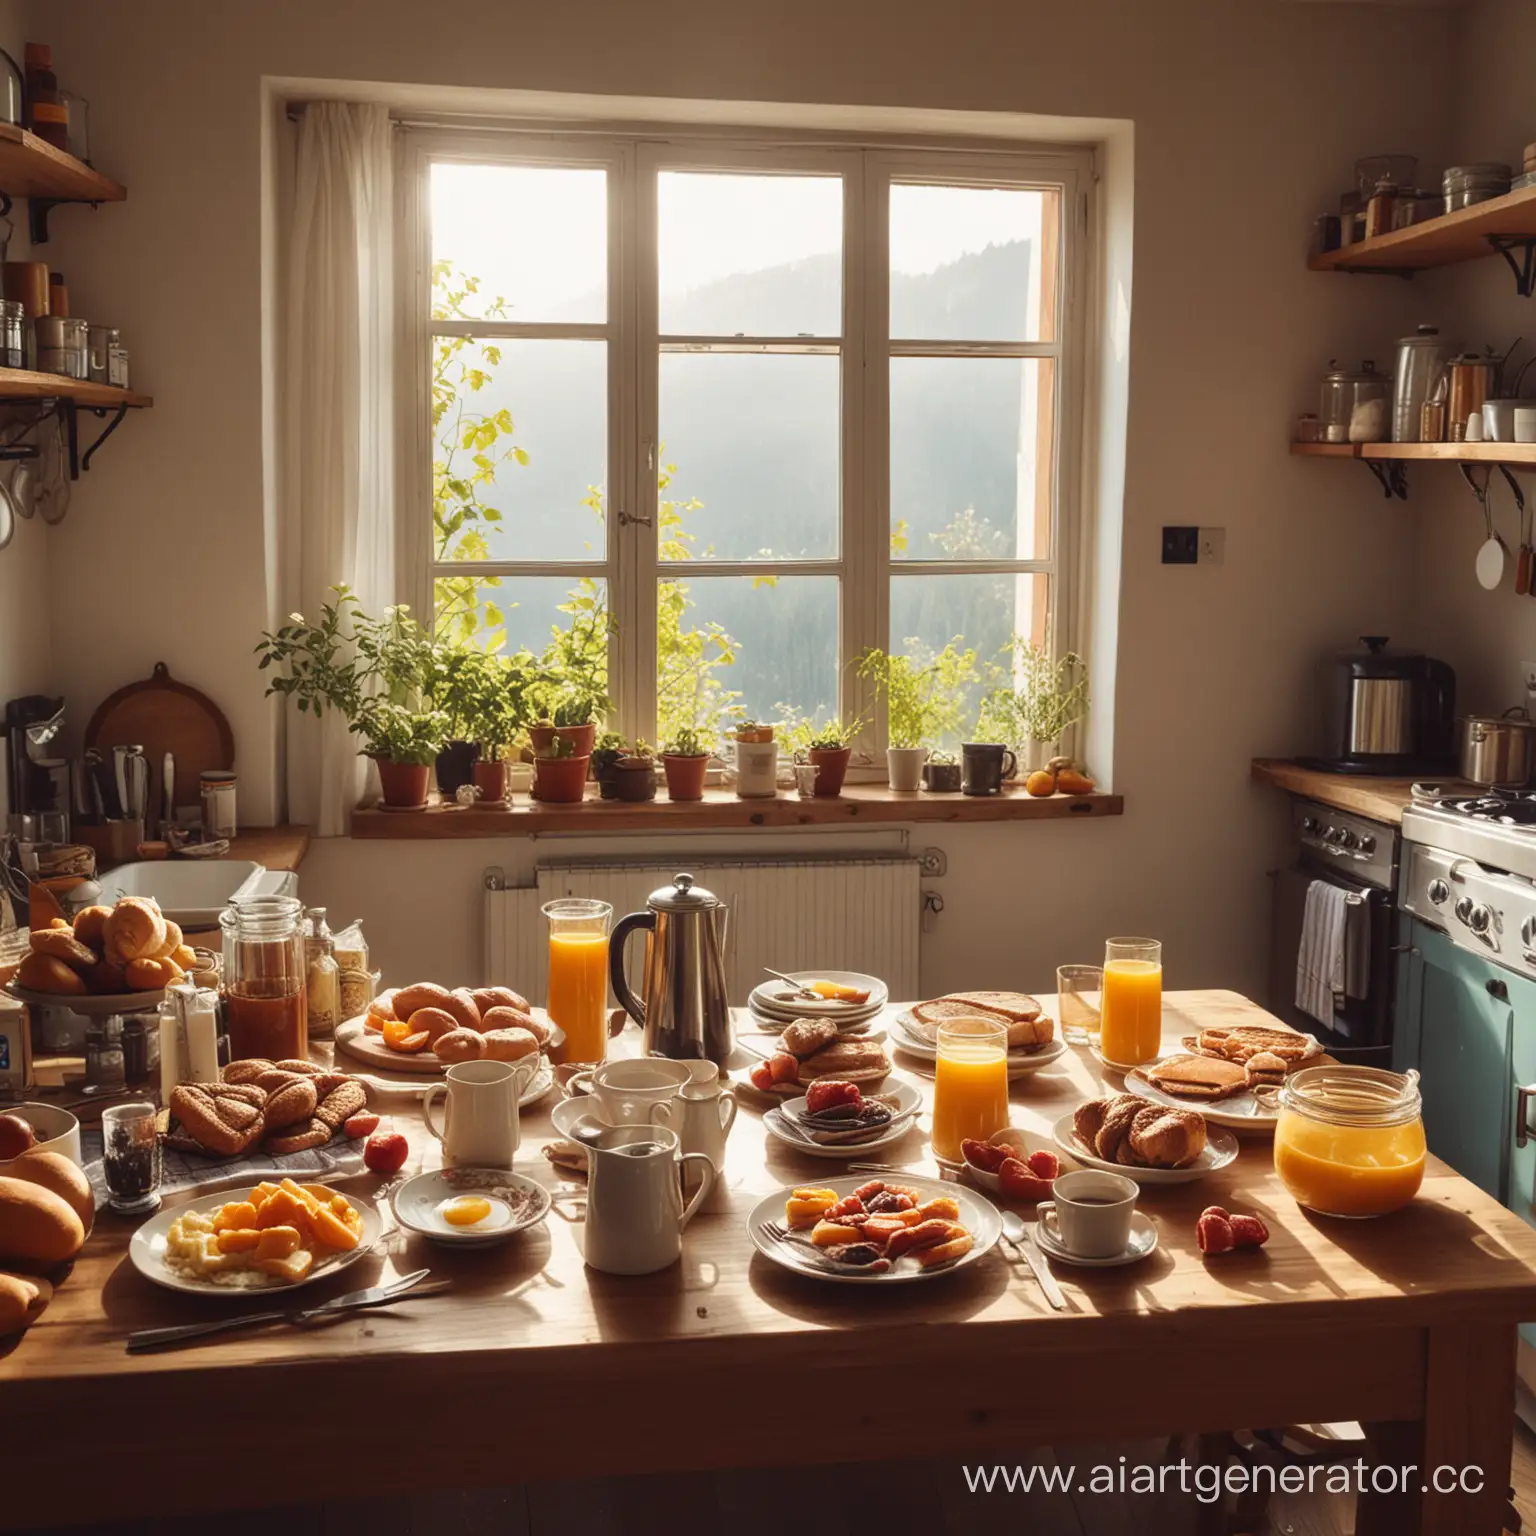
<point>480,1125</point>
<point>1090,1213</point>
<point>757,769</point>
<point>1525,425</point>
<point>639,1091</point>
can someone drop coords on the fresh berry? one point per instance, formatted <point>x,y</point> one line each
<point>783,1067</point>
<point>982,1154</point>
<point>386,1152</point>
<point>828,1092</point>
<point>1214,1233</point>
<point>360,1125</point>
<point>761,1077</point>
<point>1044,1164</point>
<point>1216,1210</point>
<point>1249,1231</point>
<point>1017,1182</point>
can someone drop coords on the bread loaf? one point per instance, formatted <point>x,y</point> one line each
<point>459,1045</point>
<point>22,1299</point>
<point>42,973</point>
<point>436,1022</point>
<point>486,998</point>
<point>509,1044</point>
<point>134,931</point>
<point>36,1225</point>
<point>462,1006</point>
<point>53,1171</point>
<point>89,922</point>
<point>425,994</point>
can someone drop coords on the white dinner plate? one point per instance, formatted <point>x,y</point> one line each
<point>1220,1149</point>
<point>364,1044</point>
<point>147,1249</point>
<point>517,1204</point>
<point>978,1215</point>
<point>1020,1063</point>
<point>1241,1112</point>
<point>766,995</point>
<point>764,1043</point>
<point>847,1024</point>
<point>908,1102</point>
<point>1143,1242</point>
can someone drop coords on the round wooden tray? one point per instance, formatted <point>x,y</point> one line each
<point>366,1045</point>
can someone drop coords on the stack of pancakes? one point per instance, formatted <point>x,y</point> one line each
<point>1226,1061</point>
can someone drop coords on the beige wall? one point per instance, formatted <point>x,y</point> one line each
<point>1246,117</point>
<point>1484,635</point>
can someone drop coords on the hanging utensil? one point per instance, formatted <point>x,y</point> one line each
<point>1492,553</point>
<point>1526,566</point>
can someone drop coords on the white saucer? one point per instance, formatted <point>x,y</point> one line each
<point>1143,1242</point>
<point>517,1203</point>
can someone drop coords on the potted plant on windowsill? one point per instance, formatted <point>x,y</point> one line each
<point>829,746</point>
<point>491,692</point>
<point>685,760</point>
<point>941,773</point>
<point>1050,697</point>
<point>559,772</point>
<point>757,761</point>
<point>634,775</point>
<point>454,678</point>
<point>570,695</point>
<point>609,749</point>
<point>923,702</point>
<point>372,672</point>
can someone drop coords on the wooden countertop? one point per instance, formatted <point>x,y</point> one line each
<point>1382,799</point>
<point>274,847</point>
<point>545,1369</point>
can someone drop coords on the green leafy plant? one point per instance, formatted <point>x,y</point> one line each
<point>1045,699</point>
<point>492,697</point>
<point>923,699</point>
<point>819,735</point>
<point>688,741</point>
<point>375,673</point>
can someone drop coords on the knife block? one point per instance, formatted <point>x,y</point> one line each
<point>115,842</point>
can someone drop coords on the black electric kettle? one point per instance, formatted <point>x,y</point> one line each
<point>1388,712</point>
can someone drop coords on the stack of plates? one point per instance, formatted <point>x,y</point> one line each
<point>774,1004</point>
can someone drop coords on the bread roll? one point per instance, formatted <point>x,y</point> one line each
<point>61,944</point>
<point>184,956</point>
<point>459,1045</point>
<point>462,1006</point>
<point>89,922</point>
<point>383,1006</point>
<point>425,994</point>
<point>1167,1138</point>
<point>509,1044</point>
<point>435,1022</point>
<point>53,1171</point>
<point>106,977</point>
<point>151,975</point>
<point>36,1225</point>
<point>172,940</point>
<point>42,973</point>
<point>487,998</point>
<point>22,1300</point>
<point>134,931</point>
<point>513,1018</point>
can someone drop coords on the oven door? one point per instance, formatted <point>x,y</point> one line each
<point>1361,1031</point>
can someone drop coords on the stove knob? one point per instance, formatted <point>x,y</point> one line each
<point>1463,909</point>
<point>1528,933</point>
<point>1347,839</point>
<point>1367,844</point>
<point>1309,823</point>
<point>1332,834</point>
<point>1480,919</point>
<point>1439,891</point>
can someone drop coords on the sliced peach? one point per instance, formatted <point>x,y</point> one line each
<point>240,1239</point>
<point>331,1230</point>
<point>236,1215</point>
<point>293,1268</point>
<point>277,1242</point>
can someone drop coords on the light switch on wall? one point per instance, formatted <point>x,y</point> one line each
<point>1213,546</point>
<point>1528,675</point>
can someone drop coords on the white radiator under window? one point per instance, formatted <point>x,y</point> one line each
<point>802,914</point>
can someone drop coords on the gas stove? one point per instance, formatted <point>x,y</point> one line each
<point>1469,867</point>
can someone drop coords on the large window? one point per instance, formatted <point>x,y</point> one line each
<point>738,414</point>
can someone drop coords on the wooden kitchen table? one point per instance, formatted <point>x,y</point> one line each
<point>534,1368</point>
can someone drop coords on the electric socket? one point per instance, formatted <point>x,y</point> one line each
<point>1181,545</point>
<point>1213,546</point>
<point>1528,672</point>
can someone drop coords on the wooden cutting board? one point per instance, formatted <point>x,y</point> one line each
<point>162,715</point>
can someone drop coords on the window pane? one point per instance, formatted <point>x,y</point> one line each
<point>971,457</point>
<point>980,613</point>
<point>512,613</point>
<point>519,464</point>
<point>519,242</point>
<point>764,647</point>
<point>750,255</point>
<point>973,263</point>
<point>752,441</point>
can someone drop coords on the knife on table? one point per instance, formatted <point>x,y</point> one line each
<point>406,1289</point>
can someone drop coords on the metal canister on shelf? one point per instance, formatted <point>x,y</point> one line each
<point>13,334</point>
<point>101,340</point>
<point>1471,377</point>
<point>62,346</point>
<point>1381,210</point>
<point>1421,363</point>
<point>117,362</point>
<point>1464,185</point>
<point>217,786</point>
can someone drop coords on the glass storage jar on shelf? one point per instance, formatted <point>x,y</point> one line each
<point>1349,1140</point>
<point>1356,405</point>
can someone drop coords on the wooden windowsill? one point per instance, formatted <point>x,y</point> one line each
<point>861,804</point>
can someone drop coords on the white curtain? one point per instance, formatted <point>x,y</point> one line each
<point>338,390</point>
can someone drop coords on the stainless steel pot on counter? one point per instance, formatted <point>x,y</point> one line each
<point>1497,749</point>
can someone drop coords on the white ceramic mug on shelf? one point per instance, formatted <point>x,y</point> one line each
<point>635,1211</point>
<point>1525,424</point>
<point>639,1090</point>
<point>1089,1213</point>
<point>480,1124</point>
<point>757,769</point>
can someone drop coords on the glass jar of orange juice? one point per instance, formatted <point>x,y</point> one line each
<point>1350,1140</point>
<point>970,1084</point>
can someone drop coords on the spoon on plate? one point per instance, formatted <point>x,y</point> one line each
<point>801,990</point>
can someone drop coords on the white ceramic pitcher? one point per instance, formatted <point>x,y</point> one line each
<point>703,1116</point>
<point>480,1127</point>
<point>635,1210</point>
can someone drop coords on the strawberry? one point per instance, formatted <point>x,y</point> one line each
<point>761,1076</point>
<point>1216,1210</point>
<point>1044,1164</point>
<point>827,1092</point>
<point>386,1153</point>
<point>1213,1232</point>
<point>1249,1231</point>
<point>982,1154</point>
<point>1018,1183</point>
<point>361,1124</point>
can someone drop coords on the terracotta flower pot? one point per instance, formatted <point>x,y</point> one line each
<point>685,775</point>
<point>560,780</point>
<point>633,784</point>
<point>491,781</point>
<point>404,784</point>
<point>832,768</point>
<point>540,736</point>
<point>604,760</point>
<point>582,737</point>
<point>456,766</point>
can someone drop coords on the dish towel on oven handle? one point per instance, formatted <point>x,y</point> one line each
<point>1320,956</point>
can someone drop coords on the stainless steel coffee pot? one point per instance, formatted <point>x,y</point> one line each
<point>685,1012</point>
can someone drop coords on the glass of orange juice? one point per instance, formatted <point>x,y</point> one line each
<point>578,974</point>
<point>970,1086</point>
<point>1131,1005</point>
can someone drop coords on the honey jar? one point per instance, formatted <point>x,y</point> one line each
<point>1349,1140</point>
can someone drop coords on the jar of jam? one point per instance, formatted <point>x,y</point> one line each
<point>1349,1140</point>
<point>265,996</point>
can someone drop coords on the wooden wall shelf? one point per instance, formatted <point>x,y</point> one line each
<point>1515,454</point>
<point>1464,235</point>
<point>32,167</point>
<point>22,384</point>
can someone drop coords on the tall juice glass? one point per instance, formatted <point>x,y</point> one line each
<point>1131,1007</point>
<point>970,1085</point>
<point>578,974</point>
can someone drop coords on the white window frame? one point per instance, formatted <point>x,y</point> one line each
<point>863,564</point>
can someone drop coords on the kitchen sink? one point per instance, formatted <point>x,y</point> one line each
<point>192,892</point>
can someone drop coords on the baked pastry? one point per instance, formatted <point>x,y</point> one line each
<point>1124,1128</point>
<point>425,994</point>
<point>1239,1042</point>
<point>151,975</point>
<point>383,1006</point>
<point>106,977</point>
<point>512,1018</point>
<point>341,1103</point>
<point>42,973</point>
<point>509,1044</point>
<point>289,1101</point>
<point>459,1045</point>
<point>437,1022</point>
<point>89,922</point>
<point>1266,1070</point>
<point>61,944</point>
<point>1027,1026</point>
<point>1206,1078</point>
<point>247,1071</point>
<point>486,998</point>
<point>221,1118</point>
<point>853,1059</point>
<point>135,930</point>
<point>297,1138</point>
<point>173,941</point>
<point>807,1036</point>
<point>303,1068</point>
<point>461,1004</point>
